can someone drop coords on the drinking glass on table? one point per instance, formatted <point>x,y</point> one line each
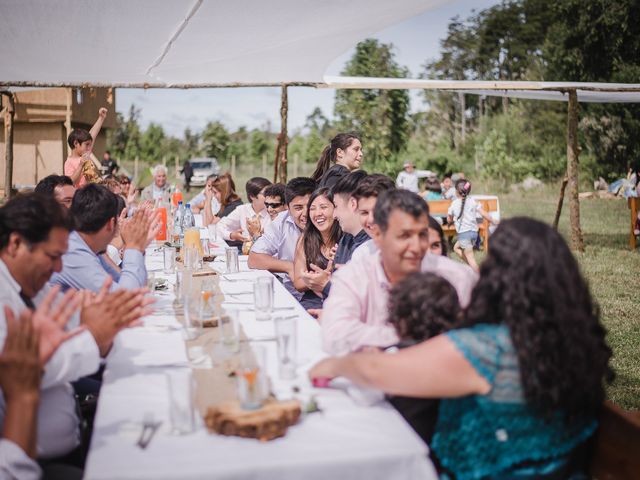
<point>181,387</point>
<point>213,233</point>
<point>230,329</point>
<point>286,338</point>
<point>252,364</point>
<point>194,313</point>
<point>263,297</point>
<point>169,259</point>
<point>190,257</point>
<point>232,259</point>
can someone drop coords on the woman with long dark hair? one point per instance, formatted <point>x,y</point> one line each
<point>315,249</point>
<point>345,153</point>
<point>522,382</point>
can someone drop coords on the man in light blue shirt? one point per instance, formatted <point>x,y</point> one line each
<point>275,249</point>
<point>96,212</point>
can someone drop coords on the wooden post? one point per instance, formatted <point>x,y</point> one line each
<point>135,168</point>
<point>264,164</point>
<point>164,161</point>
<point>463,120</point>
<point>280,167</point>
<point>177,167</point>
<point>67,122</point>
<point>233,166</point>
<point>577,243</point>
<point>556,220</point>
<point>9,112</point>
<point>296,162</point>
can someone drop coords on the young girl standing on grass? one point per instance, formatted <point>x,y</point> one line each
<point>463,213</point>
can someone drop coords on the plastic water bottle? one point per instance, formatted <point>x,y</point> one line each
<point>188,221</point>
<point>178,232</point>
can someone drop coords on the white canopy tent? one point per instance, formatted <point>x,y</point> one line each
<point>185,43</point>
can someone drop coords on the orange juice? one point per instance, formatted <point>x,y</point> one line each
<point>192,239</point>
<point>250,376</point>
<point>176,197</point>
<point>162,233</point>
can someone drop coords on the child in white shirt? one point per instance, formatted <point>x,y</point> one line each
<point>463,213</point>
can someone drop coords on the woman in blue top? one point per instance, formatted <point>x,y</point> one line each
<point>523,381</point>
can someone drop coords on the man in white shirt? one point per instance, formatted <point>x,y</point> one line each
<point>275,249</point>
<point>408,177</point>
<point>34,233</point>
<point>248,221</point>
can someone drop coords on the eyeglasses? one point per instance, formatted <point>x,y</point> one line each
<point>273,205</point>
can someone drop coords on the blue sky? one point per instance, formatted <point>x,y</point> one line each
<point>416,40</point>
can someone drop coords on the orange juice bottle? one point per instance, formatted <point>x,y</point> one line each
<point>176,197</point>
<point>162,233</point>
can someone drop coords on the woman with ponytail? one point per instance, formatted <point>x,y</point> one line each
<point>345,152</point>
<point>463,213</point>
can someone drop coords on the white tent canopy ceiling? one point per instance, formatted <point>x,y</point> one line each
<point>198,43</point>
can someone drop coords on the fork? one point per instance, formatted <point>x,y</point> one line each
<point>149,428</point>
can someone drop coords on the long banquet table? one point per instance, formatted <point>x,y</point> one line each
<point>346,440</point>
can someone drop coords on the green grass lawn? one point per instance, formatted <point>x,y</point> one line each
<point>612,270</point>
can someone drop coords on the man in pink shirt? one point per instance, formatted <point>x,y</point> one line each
<point>80,144</point>
<point>355,313</point>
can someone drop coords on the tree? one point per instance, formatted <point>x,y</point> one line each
<point>152,143</point>
<point>215,140</point>
<point>191,144</point>
<point>380,116</point>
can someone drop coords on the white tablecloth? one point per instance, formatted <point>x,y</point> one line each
<point>344,441</point>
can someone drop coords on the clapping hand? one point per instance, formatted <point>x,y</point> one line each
<point>102,113</point>
<point>50,321</point>
<point>105,314</point>
<point>317,278</point>
<point>139,230</point>
<point>254,226</point>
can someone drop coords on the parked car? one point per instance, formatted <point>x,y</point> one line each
<point>202,168</point>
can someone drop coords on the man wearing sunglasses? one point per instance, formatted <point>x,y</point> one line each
<point>274,199</point>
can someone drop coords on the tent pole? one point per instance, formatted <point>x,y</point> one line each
<point>577,242</point>
<point>556,220</point>
<point>280,166</point>
<point>9,112</point>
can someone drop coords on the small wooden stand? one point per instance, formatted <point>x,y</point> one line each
<point>269,422</point>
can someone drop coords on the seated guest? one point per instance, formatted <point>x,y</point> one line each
<point>223,189</point>
<point>448,190</point>
<point>421,306</point>
<point>33,238</point>
<point>113,184</point>
<point>274,200</point>
<point>160,189</point>
<point>355,312</point>
<point>366,196</point>
<point>59,187</point>
<point>247,221</point>
<point>128,188</point>
<point>275,249</point>
<point>197,202</point>
<point>433,190</point>
<point>346,212</point>
<point>345,153</point>
<point>316,247</point>
<point>96,213</point>
<point>437,242</point>
<point>522,383</point>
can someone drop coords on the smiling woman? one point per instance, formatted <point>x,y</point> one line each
<point>315,249</point>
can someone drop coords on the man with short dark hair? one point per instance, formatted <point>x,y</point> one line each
<point>96,212</point>
<point>247,221</point>
<point>275,249</point>
<point>59,187</point>
<point>355,313</point>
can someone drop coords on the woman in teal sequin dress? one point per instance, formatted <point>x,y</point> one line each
<point>522,382</point>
